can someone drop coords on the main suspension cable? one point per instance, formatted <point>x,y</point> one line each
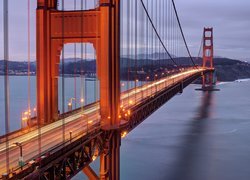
<point>156,32</point>
<point>200,49</point>
<point>183,37</point>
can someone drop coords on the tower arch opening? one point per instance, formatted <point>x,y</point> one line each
<point>78,82</point>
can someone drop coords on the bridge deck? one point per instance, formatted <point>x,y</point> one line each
<point>80,123</point>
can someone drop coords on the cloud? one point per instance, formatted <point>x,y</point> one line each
<point>230,20</point>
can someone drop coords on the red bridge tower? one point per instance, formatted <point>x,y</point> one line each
<point>100,27</point>
<point>208,55</point>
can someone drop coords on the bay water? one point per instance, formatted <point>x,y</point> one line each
<point>195,136</point>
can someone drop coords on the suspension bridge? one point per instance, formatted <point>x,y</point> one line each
<point>142,61</point>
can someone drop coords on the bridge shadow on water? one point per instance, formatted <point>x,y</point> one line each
<point>190,157</point>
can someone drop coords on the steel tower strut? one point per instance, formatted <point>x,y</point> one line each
<point>101,27</point>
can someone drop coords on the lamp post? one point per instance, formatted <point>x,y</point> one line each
<point>24,119</point>
<point>147,79</point>
<point>34,110</point>
<point>82,101</point>
<point>21,161</point>
<point>70,136</point>
<point>156,75</point>
<point>70,104</point>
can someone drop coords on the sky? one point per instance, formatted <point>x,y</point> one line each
<point>229,18</point>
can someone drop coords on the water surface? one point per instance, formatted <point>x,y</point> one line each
<point>195,136</point>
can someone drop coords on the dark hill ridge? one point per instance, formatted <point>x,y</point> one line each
<point>17,66</point>
<point>230,69</point>
<point>227,69</point>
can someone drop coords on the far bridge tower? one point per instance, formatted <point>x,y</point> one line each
<point>208,57</point>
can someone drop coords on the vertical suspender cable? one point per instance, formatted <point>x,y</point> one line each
<point>156,32</point>
<point>159,27</point>
<point>175,38</point>
<point>177,44</point>
<point>39,141</point>
<point>147,46</point>
<point>85,61</point>
<point>166,34</point>
<point>155,43</point>
<point>159,30</point>
<point>82,80</point>
<point>169,26</point>
<point>63,80</point>
<point>6,78</point>
<point>85,90</point>
<point>29,108</point>
<point>172,37</point>
<point>122,46</point>
<point>165,10</point>
<point>184,39</point>
<point>81,63</point>
<point>75,63</point>
<point>136,46</point>
<point>200,49</point>
<point>128,46</point>
<point>166,26</point>
<point>133,45</point>
<point>155,40</point>
<point>152,46</point>
<point>178,40</point>
<point>143,50</point>
<point>95,98</point>
<point>141,44</point>
<point>164,30</point>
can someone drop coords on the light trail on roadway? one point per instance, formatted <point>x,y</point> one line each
<point>81,122</point>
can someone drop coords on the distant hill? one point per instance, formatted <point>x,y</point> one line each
<point>18,68</point>
<point>227,69</point>
<point>153,56</point>
<point>230,69</point>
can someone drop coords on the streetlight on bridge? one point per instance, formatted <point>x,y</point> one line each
<point>20,161</point>
<point>70,104</point>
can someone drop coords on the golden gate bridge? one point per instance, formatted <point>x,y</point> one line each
<point>138,41</point>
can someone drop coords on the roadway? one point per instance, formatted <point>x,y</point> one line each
<point>46,138</point>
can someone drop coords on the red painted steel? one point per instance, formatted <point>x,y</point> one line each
<point>208,55</point>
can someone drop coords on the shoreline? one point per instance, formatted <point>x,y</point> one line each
<point>72,76</point>
<point>236,81</point>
